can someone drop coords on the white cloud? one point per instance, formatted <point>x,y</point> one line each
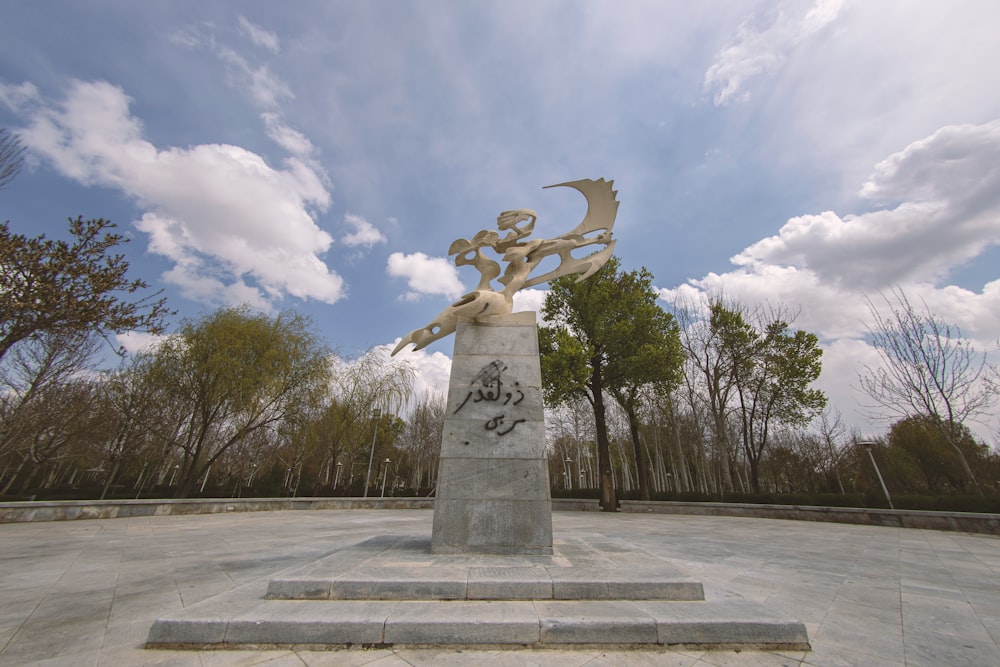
<point>138,341</point>
<point>757,51</point>
<point>264,86</point>
<point>259,36</point>
<point>211,205</point>
<point>948,189</point>
<point>433,370</point>
<point>288,138</point>
<point>945,192</point>
<point>425,275</point>
<point>529,300</point>
<point>365,233</point>
<point>18,97</point>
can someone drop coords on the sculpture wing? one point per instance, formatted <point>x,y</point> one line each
<point>602,204</point>
<point>602,209</point>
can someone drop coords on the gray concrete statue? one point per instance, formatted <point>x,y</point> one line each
<point>522,257</point>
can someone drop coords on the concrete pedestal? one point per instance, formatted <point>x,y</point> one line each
<point>493,482</point>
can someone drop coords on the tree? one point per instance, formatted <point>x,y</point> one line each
<point>772,371</point>
<point>231,376</point>
<point>45,401</point>
<point>928,369</point>
<point>644,357</point>
<point>931,452</point>
<point>11,157</point>
<point>421,439</point>
<point>607,335</point>
<point>67,288</point>
<point>710,379</point>
<point>363,390</point>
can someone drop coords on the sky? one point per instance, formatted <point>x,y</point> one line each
<point>322,156</point>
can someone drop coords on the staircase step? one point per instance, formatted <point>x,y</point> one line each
<point>525,623</point>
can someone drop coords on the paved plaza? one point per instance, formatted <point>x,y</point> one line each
<point>86,592</point>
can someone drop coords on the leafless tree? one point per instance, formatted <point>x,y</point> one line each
<point>11,156</point>
<point>928,369</point>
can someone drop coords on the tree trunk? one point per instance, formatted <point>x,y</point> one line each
<point>609,500</point>
<point>111,477</point>
<point>641,469</point>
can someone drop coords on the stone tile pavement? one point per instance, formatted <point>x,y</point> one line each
<point>86,592</point>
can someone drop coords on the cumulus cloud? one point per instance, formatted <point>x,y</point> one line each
<point>529,299</point>
<point>433,370</point>
<point>219,212</point>
<point>138,341</point>
<point>364,234</point>
<point>259,36</point>
<point>943,198</point>
<point>425,275</point>
<point>947,191</point>
<point>763,50</point>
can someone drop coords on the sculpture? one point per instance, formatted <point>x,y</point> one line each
<point>521,258</point>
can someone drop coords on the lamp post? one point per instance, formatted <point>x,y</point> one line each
<point>385,473</point>
<point>336,478</point>
<point>569,473</point>
<point>371,457</point>
<point>868,448</point>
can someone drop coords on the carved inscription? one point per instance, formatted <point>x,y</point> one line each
<point>488,387</point>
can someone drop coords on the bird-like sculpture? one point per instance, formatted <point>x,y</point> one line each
<point>522,257</point>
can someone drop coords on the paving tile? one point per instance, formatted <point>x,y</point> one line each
<point>778,563</point>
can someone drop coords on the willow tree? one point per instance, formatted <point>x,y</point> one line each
<point>231,376</point>
<point>366,392</point>
<point>608,335</point>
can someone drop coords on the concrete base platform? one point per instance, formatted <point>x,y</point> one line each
<point>392,590</point>
<point>555,623</point>
<point>397,568</point>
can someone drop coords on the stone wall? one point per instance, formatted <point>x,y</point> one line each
<point>20,512</point>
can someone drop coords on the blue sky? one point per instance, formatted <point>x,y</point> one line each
<point>322,156</point>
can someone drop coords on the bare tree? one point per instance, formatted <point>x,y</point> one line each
<point>45,400</point>
<point>832,430</point>
<point>11,156</point>
<point>928,369</point>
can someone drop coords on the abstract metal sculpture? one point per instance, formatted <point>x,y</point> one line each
<point>522,257</point>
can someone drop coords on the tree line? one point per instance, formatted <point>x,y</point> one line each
<point>713,398</point>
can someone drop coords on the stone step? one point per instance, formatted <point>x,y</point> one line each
<point>393,568</point>
<point>290,623</point>
<point>488,583</point>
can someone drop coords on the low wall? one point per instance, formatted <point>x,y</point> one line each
<point>67,510</point>
<point>966,522</point>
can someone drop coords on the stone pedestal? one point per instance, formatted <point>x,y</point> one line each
<point>493,482</point>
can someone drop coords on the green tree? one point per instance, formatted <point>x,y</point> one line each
<point>772,370</point>
<point>607,334</point>
<point>365,391</point>
<point>932,453</point>
<point>232,376</point>
<point>67,288</point>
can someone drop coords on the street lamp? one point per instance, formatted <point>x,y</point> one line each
<point>371,457</point>
<point>336,478</point>
<point>385,473</point>
<point>569,472</point>
<point>868,448</point>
